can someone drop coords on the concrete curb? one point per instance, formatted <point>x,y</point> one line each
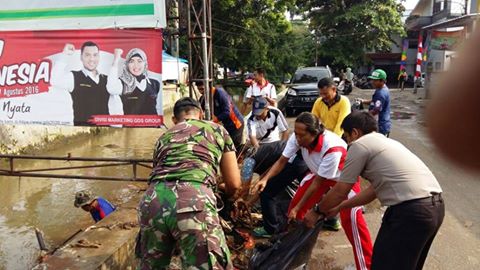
<point>115,237</point>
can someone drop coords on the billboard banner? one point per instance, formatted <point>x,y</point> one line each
<point>449,41</point>
<point>86,14</point>
<point>81,77</point>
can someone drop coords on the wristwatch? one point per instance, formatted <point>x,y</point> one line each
<point>316,208</point>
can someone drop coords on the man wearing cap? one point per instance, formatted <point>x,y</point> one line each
<point>179,209</point>
<point>380,102</point>
<point>266,124</point>
<point>401,181</point>
<point>98,207</point>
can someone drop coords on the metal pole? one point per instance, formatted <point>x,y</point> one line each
<point>41,240</point>
<point>11,164</point>
<point>206,80</point>
<point>134,171</point>
<point>190,57</point>
<point>176,26</point>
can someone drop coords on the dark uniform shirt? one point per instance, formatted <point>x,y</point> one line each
<point>225,110</point>
<point>88,97</point>
<point>142,102</point>
<point>381,105</point>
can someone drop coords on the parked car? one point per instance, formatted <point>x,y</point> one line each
<point>303,92</point>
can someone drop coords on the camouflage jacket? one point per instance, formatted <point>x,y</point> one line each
<point>190,151</point>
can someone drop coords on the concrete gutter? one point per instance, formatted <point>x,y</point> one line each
<point>109,244</point>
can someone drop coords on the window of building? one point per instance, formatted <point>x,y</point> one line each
<point>438,66</point>
<point>438,6</point>
<point>413,44</point>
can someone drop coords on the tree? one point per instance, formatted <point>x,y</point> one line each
<point>348,29</point>
<point>255,33</point>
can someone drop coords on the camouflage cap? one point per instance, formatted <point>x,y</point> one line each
<point>83,197</point>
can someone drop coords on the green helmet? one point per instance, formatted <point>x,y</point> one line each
<point>378,74</point>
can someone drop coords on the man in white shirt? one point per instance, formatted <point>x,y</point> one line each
<point>260,87</point>
<point>266,124</point>
<point>87,86</point>
<point>324,152</point>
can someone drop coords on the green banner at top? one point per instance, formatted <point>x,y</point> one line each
<point>85,14</point>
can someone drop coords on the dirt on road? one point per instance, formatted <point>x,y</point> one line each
<point>457,244</point>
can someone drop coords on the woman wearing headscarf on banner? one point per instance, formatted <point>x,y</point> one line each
<point>139,92</point>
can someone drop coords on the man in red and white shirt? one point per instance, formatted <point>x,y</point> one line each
<point>324,153</point>
<point>260,87</point>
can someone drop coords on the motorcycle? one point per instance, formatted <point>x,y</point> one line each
<point>363,83</point>
<point>357,105</point>
<point>345,86</point>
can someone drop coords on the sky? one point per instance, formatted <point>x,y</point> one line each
<point>410,4</point>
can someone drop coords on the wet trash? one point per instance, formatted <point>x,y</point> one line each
<point>226,226</point>
<point>287,250</point>
<point>128,225</point>
<point>175,263</point>
<point>122,226</point>
<point>468,224</point>
<point>19,206</point>
<point>83,243</point>
<point>241,213</point>
<point>240,260</point>
<point>402,115</point>
<point>111,146</point>
<point>44,255</point>
<point>136,188</point>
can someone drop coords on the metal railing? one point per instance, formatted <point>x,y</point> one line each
<point>105,162</point>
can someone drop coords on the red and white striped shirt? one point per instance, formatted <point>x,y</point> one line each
<point>326,159</point>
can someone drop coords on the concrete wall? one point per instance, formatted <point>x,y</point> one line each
<point>114,238</point>
<point>15,139</point>
<point>423,8</point>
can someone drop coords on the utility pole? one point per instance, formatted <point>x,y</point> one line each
<point>176,18</point>
<point>199,16</point>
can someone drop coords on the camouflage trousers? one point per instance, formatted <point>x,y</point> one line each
<point>181,215</point>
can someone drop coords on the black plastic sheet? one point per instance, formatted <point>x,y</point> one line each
<point>287,250</point>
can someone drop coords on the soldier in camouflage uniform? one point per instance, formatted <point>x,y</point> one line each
<point>179,206</point>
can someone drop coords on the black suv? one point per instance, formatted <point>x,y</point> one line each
<point>303,91</point>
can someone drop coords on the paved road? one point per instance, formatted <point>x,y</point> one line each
<point>458,243</point>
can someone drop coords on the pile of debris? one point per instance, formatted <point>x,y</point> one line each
<point>237,222</point>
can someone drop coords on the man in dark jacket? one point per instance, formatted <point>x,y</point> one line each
<point>225,111</point>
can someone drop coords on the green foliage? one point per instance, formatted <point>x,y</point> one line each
<point>183,90</point>
<point>253,33</point>
<point>347,29</point>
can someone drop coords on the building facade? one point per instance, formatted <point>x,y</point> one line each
<point>443,24</point>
